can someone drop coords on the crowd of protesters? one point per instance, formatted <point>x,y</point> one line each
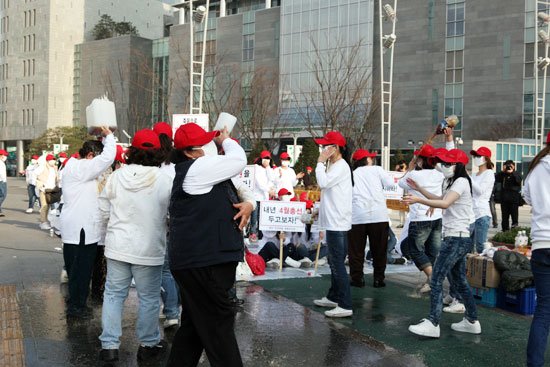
<point>167,215</point>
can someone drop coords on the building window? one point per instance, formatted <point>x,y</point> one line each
<point>455,19</point>
<point>248,47</point>
<point>454,69</point>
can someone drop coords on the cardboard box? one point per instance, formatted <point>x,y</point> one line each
<point>481,272</point>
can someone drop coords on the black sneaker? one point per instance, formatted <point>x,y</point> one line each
<point>145,353</point>
<point>108,355</point>
<point>378,284</point>
<point>400,261</point>
<point>360,284</point>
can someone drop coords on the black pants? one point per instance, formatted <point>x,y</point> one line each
<point>509,209</point>
<point>378,242</point>
<point>79,262</point>
<point>207,318</point>
<point>99,274</point>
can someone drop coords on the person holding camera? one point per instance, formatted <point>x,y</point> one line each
<point>509,183</point>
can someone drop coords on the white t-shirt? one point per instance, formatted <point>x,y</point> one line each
<point>482,186</point>
<point>429,179</point>
<point>262,182</point>
<point>457,217</point>
<point>285,178</point>
<point>336,196</point>
<point>369,202</point>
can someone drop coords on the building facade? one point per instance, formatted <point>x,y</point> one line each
<point>37,60</point>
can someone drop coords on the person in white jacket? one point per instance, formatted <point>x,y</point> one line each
<point>80,223</point>
<point>482,189</point>
<point>264,188</point>
<point>369,219</point>
<point>30,177</point>
<point>285,176</point>
<point>3,179</point>
<point>536,193</point>
<point>334,178</point>
<point>134,203</point>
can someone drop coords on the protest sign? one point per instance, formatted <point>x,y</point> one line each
<point>282,216</point>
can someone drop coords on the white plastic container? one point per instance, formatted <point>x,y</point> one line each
<point>225,120</point>
<point>101,112</point>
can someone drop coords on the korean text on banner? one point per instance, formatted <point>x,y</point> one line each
<point>247,176</point>
<point>394,192</point>
<point>282,216</point>
<point>200,119</point>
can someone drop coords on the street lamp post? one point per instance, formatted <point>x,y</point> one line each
<point>386,13</point>
<point>196,67</point>
<point>542,30</point>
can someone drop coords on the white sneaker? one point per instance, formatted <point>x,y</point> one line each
<point>339,312</point>
<point>306,263</point>
<point>29,211</point>
<point>447,300</point>
<point>455,307</point>
<point>425,328</point>
<point>64,277</point>
<point>466,326</point>
<point>425,288</point>
<point>292,263</point>
<point>168,323</point>
<point>273,264</point>
<point>45,226</point>
<point>346,261</point>
<point>322,261</point>
<point>325,302</point>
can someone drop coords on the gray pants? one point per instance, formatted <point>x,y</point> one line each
<point>3,193</point>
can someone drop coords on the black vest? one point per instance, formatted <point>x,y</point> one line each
<point>202,230</point>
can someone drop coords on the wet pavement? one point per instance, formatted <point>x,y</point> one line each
<point>271,330</point>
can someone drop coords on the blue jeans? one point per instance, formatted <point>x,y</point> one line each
<point>451,259</point>
<point>339,292</point>
<point>540,326</point>
<point>31,192</point>
<point>169,293</point>
<point>424,241</point>
<point>3,193</point>
<point>119,277</point>
<point>254,218</point>
<point>479,235</point>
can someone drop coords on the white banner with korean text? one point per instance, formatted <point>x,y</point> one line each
<point>282,216</point>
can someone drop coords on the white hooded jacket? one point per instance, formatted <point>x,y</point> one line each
<point>536,192</point>
<point>135,204</point>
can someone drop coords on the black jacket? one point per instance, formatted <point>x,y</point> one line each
<point>202,230</point>
<point>508,187</point>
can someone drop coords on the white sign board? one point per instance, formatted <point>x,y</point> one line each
<point>200,119</point>
<point>282,216</point>
<point>247,176</point>
<point>394,192</point>
<point>58,148</point>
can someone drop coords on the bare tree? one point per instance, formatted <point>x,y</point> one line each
<point>342,97</point>
<point>495,128</point>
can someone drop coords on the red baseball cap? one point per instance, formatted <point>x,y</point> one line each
<point>35,157</point>
<point>192,135</point>
<point>309,204</point>
<point>425,151</point>
<point>308,168</point>
<point>146,139</point>
<point>3,152</point>
<point>482,152</point>
<point>50,157</point>
<point>283,192</point>
<point>62,155</point>
<point>332,138</point>
<point>548,138</point>
<point>284,156</point>
<point>439,151</point>
<point>163,128</point>
<point>265,154</point>
<point>362,153</point>
<point>119,157</point>
<point>454,156</point>
<point>303,196</point>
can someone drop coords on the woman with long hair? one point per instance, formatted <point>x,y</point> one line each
<point>335,180</point>
<point>536,193</point>
<point>457,202</point>
<point>264,188</point>
<point>482,188</point>
<point>369,218</point>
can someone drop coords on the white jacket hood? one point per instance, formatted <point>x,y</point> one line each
<point>545,163</point>
<point>134,177</point>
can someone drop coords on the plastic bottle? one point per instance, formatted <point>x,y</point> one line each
<point>517,240</point>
